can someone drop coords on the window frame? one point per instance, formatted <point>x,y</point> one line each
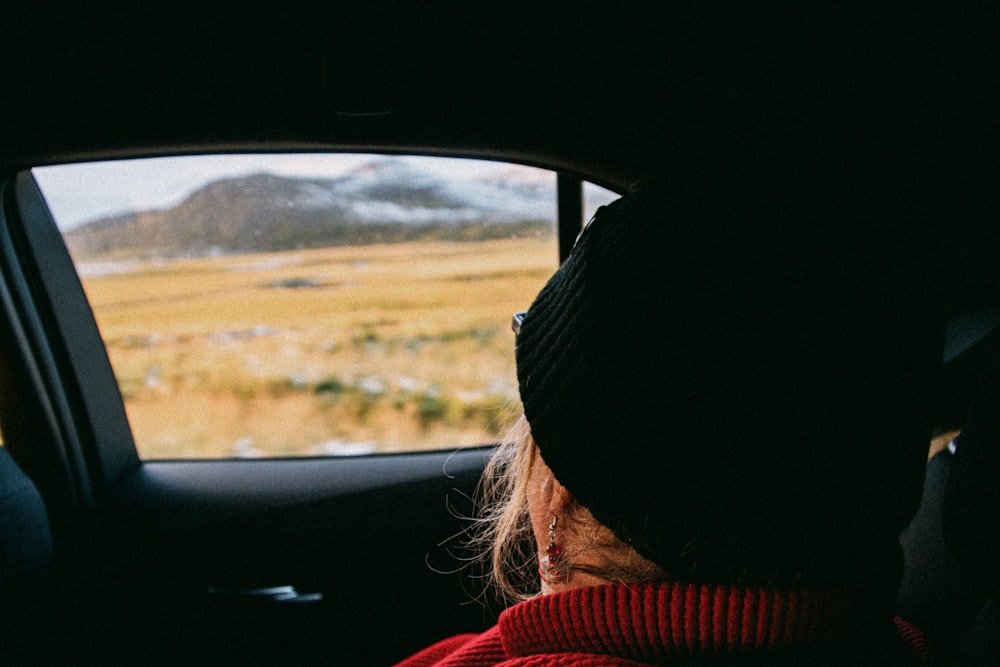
<point>66,392</point>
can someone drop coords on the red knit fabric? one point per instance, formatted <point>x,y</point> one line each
<point>650,624</point>
<point>917,639</point>
<point>461,651</point>
<point>670,620</point>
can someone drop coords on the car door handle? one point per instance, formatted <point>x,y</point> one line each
<point>270,593</point>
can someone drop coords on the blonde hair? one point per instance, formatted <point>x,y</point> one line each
<point>504,539</point>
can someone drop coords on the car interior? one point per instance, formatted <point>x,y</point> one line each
<point>873,134</point>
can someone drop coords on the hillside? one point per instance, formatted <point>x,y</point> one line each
<point>381,202</point>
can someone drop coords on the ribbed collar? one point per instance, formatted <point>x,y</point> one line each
<point>657,621</point>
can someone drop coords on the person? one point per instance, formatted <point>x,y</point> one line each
<point>722,438</point>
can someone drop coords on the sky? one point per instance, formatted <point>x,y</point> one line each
<point>82,192</point>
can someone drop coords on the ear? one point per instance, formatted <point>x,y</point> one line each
<point>560,499</point>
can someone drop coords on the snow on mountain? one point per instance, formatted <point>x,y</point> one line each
<point>510,192</point>
<point>382,200</point>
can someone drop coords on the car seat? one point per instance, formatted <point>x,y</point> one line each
<point>952,547</point>
<point>971,520</point>
<point>25,561</point>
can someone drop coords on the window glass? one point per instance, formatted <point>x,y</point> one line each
<point>594,196</point>
<point>308,305</point>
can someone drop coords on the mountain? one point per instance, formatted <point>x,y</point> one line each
<point>385,200</point>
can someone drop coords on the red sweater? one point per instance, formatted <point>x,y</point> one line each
<point>659,623</point>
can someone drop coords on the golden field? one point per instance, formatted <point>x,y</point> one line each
<point>317,352</point>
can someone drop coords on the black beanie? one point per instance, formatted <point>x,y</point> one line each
<point>695,378</point>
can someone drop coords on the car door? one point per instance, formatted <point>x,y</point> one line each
<point>349,559</point>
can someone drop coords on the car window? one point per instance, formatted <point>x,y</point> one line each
<point>594,196</point>
<point>308,305</point>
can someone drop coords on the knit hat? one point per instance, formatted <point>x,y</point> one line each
<point>694,377</point>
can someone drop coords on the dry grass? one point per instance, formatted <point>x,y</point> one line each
<point>297,353</point>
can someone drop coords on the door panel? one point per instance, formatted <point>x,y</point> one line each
<point>364,542</point>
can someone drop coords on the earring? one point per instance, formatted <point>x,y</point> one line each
<point>549,567</point>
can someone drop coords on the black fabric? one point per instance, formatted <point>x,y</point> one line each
<point>694,374</point>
